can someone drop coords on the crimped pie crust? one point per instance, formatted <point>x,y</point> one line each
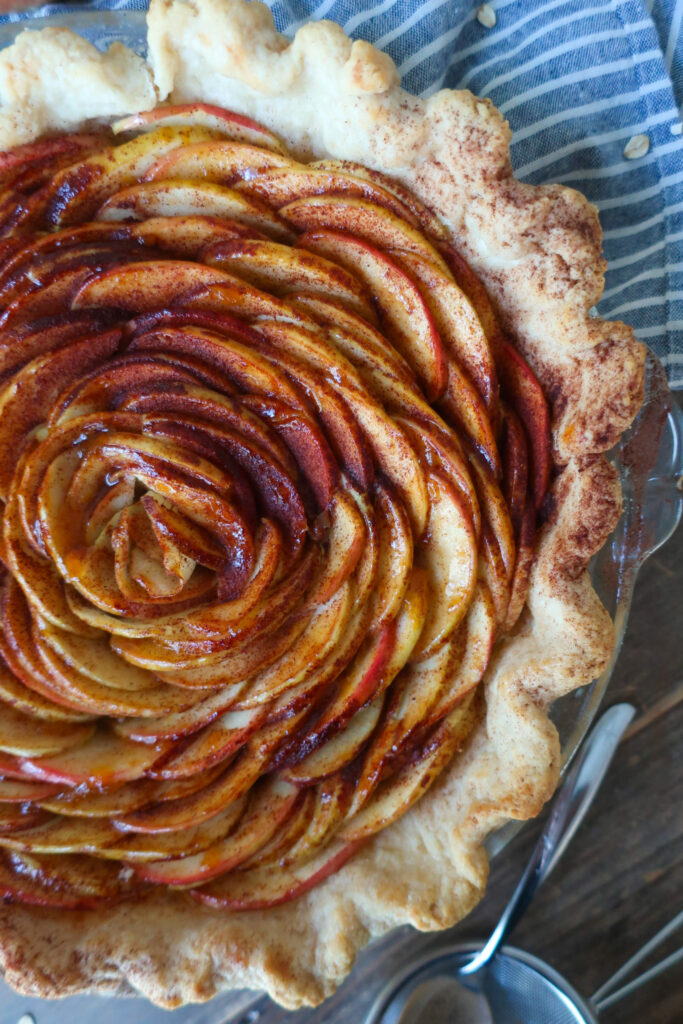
<point>537,250</point>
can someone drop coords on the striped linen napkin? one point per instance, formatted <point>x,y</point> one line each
<point>591,89</point>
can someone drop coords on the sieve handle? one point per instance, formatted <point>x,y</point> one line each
<point>607,994</point>
<point>572,802</point>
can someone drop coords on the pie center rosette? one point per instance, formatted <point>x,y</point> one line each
<point>266,507</point>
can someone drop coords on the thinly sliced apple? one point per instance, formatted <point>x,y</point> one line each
<point>99,837</point>
<point>340,750</point>
<point>409,702</point>
<point>523,565</point>
<point>142,287</point>
<point>229,789</point>
<point>17,791</point>
<point>376,224</point>
<point>180,198</point>
<point>40,248</point>
<point>283,185</point>
<point>382,373</point>
<point>268,808</point>
<point>492,571</point>
<point>39,273</point>
<point>202,115</point>
<point>26,736</point>
<point>332,801</point>
<point>315,686</point>
<point>14,693</point>
<point>438,448</point>
<point>462,406</point>
<point>62,835</point>
<point>139,848</point>
<point>235,297</point>
<point>457,323</point>
<point>84,692</point>
<point>16,817</point>
<point>289,832</point>
<point>521,387</point>
<point>12,767</point>
<point>479,634</point>
<point>395,796</point>
<point>104,760</point>
<point>213,745</point>
<point>186,236</point>
<point>393,453</point>
<point>180,723</point>
<point>273,740</point>
<point>390,447</point>
<point>220,626</point>
<point>72,882</point>
<point>366,677</point>
<point>18,652</point>
<point>325,628</point>
<point>75,193</point>
<point>26,399</point>
<point>420,215</point>
<point>368,564</point>
<point>32,574</point>
<point>220,161</point>
<point>94,658</point>
<point>262,887</point>
<point>450,558</point>
<point>410,623</point>
<point>232,671</point>
<point>402,309</point>
<point>344,544</point>
<point>475,291</point>
<point>44,152</point>
<point>515,456</point>
<point>305,440</point>
<point>24,345</point>
<point>239,359</point>
<point>80,802</point>
<point>495,513</point>
<point>282,269</point>
<point>45,303</point>
<point>394,556</point>
<point>343,324</point>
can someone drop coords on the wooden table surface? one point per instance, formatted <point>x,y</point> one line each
<point>622,878</point>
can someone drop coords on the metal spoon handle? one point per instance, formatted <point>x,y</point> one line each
<point>575,796</point>
<point>608,993</point>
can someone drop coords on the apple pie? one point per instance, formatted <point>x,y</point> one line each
<point>302,422</point>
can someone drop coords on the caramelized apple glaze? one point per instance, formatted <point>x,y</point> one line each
<point>264,514</point>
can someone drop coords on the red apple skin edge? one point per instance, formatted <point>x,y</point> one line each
<point>527,398</point>
<point>296,890</point>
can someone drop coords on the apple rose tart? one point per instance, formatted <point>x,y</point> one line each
<point>267,509</point>
<point>293,563</point>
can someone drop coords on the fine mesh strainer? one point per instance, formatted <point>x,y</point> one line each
<point>487,983</point>
<point>519,988</point>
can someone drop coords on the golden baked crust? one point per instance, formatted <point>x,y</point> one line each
<point>537,250</point>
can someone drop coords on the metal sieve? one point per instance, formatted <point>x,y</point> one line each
<point>519,989</point>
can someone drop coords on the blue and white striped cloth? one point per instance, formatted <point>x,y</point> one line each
<point>577,79</point>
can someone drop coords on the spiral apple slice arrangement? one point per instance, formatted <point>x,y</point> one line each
<point>269,475</point>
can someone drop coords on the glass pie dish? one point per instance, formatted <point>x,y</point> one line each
<point>613,575</point>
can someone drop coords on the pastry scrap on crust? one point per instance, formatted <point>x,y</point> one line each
<point>537,252</point>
